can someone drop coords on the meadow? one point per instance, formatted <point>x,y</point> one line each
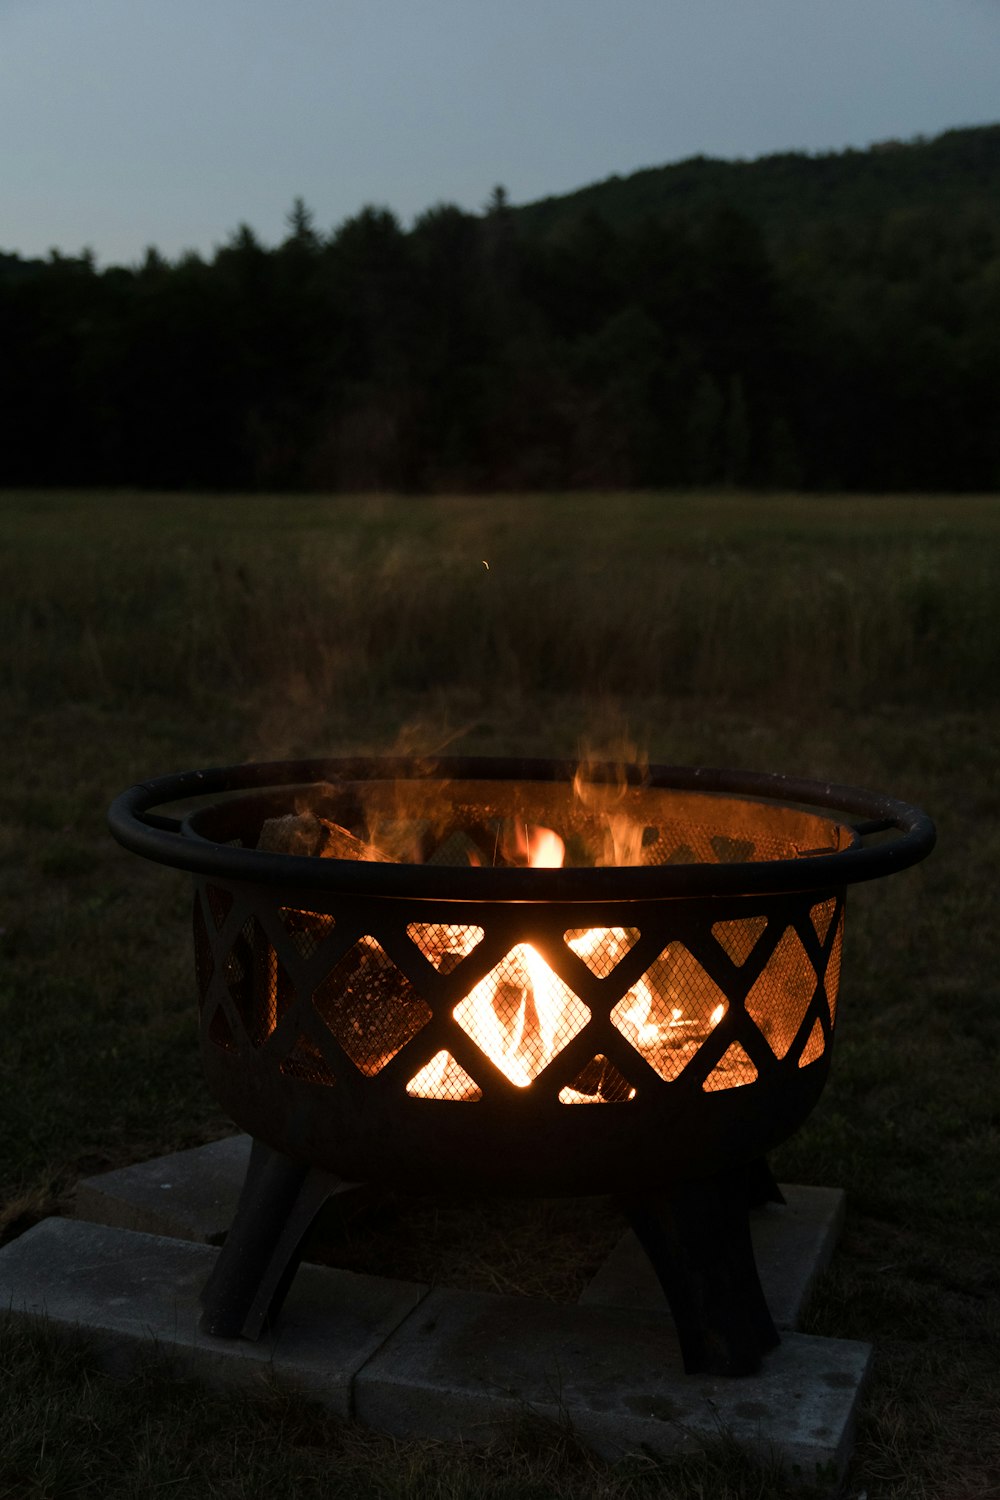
<point>849,638</point>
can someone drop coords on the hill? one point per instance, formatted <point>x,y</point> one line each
<point>792,195</point>
<point>821,322</point>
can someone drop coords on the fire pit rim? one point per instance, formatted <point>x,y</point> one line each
<point>170,841</point>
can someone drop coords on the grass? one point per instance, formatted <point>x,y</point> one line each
<point>849,638</point>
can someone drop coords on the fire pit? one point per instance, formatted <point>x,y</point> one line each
<point>508,976</point>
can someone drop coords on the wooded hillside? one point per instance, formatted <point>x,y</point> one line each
<point>796,321</point>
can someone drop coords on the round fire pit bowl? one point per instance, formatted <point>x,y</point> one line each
<point>409,1003</point>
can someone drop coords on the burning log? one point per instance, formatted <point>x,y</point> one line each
<point>307,834</point>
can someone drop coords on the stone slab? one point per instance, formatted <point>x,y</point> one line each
<point>189,1195</point>
<point>192,1195</point>
<point>127,1290</point>
<point>792,1243</point>
<point>465,1365</point>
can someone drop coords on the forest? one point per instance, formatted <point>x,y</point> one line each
<point>796,322</point>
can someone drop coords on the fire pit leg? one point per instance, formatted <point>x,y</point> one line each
<point>278,1203</point>
<point>697,1237</point>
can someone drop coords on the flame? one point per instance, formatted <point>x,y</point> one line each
<point>521,1014</point>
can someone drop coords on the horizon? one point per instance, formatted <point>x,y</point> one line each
<point>885,143</point>
<point>129,124</point>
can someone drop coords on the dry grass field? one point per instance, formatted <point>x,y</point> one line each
<point>841,637</point>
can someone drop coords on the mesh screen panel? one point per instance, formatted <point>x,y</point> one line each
<point>601,948</point>
<point>685,843</point>
<point>778,1002</point>
<point>307,929</point>
<point>521,1014</point>
<point>671,1011</point>
<point>733,1070</point>
<point>220,903</point>
<point>444,944</point>
<point>831,979</point>
<point>370,1007</point>
<point>204,964</point>
<point>220,1031</point>
<point>814,1047</point>
<point>260,988</point>
<point>600,1082</point>
<point>444,1078</point>
<point>821,917</point>
<point>739,938</point>
<point>306,1061</point>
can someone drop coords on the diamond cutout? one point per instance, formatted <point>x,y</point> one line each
<point>521,1014</point>
<point>204,964</point>
<point>732,1071</point>
<point>730,851</point>
<point>671,1011</point>
<point>221,1033</point>
<point>307,1062</point>
<point>739,938</point>
<point>822,916</point>
<point>778,1002</point>
<point>444,1078</point>
<point>257,981</point>
<point>814,1047</point>
<point>602,948</point>
<point>444,944</point>
<point>220,904</point>
<point>599,1082</point>
<point>370,1007</point>
<point>307,929</point>
<point>831,979</point>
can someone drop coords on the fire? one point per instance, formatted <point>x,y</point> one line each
<point>521,1014</point>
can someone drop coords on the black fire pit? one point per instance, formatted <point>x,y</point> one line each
<point>407,1004</point>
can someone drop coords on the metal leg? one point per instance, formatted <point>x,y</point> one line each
<point>278,1203</point>
<point>697,1237</point>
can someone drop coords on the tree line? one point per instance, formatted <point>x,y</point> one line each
<point>482,352</point>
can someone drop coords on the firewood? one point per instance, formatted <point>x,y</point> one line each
<point>295,833</point>
<point>342,844</point>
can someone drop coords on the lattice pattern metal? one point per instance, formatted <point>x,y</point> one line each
<point>306,1061</point>
<point>444,944</point>
<point>600,1082</point>
<point>601,948</point>
<point>257,978</point>
<point>688,843</point>
<point>831,979</point>
<point>671,1011</point>
<point>739,938</point>
<point>444,1078</point>
<point>307,929</point>
<point>220,903</point>
<point>258,984</point>
<point>370,1007</point>
<point>814,1047</point>
<point>204,964</point>
<point>778,1001</point>
<point>521,1014</point>
<point>733,1070</point>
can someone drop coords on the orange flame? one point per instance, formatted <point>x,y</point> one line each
<point>521,1014</point>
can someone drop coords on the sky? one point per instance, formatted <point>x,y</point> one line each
<point>130,123</point>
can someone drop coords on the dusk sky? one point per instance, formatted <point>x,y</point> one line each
<point>128,123</point>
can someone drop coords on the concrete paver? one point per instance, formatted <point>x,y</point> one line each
<point>127,1290</point>
<point>449,1364</point>
<point>792,1243</point>
<point>465,1364</point>
<point>188,1195</point>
